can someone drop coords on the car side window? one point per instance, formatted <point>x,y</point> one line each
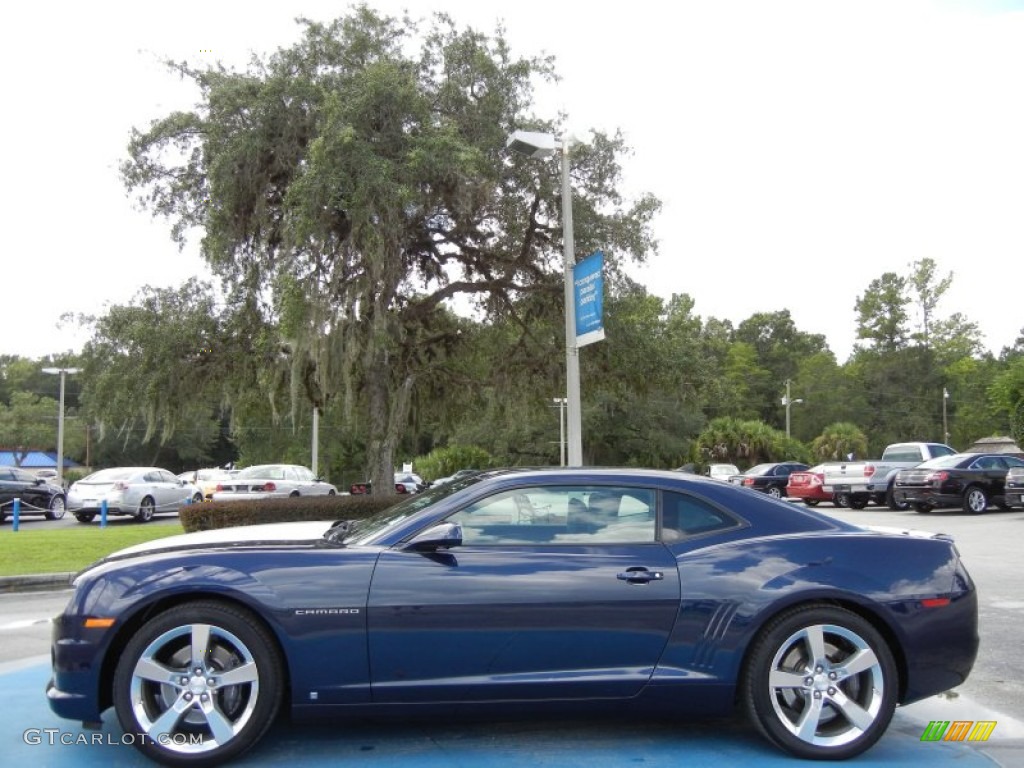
<point>684,516</point>
<point>560,515</point>
<point>6,474</point>
<point>152,477</point>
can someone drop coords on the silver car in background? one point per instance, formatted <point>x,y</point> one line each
<point>270,481</point>
<point>139,492</point>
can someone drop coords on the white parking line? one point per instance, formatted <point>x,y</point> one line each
<point>13,625</point>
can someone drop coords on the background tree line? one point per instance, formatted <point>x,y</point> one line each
<point>380,257</point>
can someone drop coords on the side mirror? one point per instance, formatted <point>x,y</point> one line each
<point>442,536</point>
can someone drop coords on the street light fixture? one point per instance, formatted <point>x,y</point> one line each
<point>788,402</point>
<point>63,372</point>
<point>539,145</point>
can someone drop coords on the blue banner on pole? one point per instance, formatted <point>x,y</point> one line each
<point>588,295</point>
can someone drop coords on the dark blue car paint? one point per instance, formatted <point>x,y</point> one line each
<point>375,624</point>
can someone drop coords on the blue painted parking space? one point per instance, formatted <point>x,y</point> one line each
<point>30,734</point>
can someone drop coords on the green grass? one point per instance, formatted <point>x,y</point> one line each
<point>31,550</point>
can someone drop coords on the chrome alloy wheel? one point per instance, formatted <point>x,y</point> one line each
<point>194,688</point>
<point>826,685</point>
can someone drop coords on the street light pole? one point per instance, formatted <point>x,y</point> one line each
<point>788,401</point>
<point>560,403</point>
<point>539,144</point>
<point>572,352</point>
<point>63,372</point>
<point>945,421</point>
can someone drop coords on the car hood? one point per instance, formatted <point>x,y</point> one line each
<point>272,533</point>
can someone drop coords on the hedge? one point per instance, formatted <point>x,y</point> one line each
<point>227,514</point>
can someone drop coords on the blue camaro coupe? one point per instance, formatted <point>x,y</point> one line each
<point>521,591</point>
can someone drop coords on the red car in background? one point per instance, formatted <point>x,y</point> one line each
<point>808,486</point>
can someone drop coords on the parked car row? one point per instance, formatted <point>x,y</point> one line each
<point>971,481</point>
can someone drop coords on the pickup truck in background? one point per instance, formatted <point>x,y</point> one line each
<point>854,483</point>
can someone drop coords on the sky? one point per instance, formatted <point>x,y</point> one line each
<point>800,148</point>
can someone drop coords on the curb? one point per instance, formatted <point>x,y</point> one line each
<point>36,582</point>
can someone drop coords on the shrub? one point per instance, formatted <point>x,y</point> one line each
<point>227,514</point>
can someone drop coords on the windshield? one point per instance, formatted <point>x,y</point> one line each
<point>367,529</point>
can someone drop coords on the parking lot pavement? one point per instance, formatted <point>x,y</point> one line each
<point>30,734</point>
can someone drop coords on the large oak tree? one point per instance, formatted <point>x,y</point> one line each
<point>349,186</point>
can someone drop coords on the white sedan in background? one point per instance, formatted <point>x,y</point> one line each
<point>139,492</point>
<point>268,481</point>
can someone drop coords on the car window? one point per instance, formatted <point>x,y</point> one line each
<point>684,516</point>
<point>23,476</point>
<point>167,477</point>
<point>560,515</point>
<point>152,477</point>
<point>6,474</point>
<point>1013,461</point>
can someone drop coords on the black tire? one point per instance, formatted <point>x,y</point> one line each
<point>782,680</point>
<point>811,502</point>
<point>3,515</point>
<point>197,499</point>
<point>85,517</point>
<point>922,508</point>
<point>293,495</point>
<point>841,500</point>
<point>975,500</point>
<point>895,506</point>
<point>57,508</point>
<point>159,669</point>
<point>858,502</point>
<point>774,491</point>
<point>332,493</point>
<point>146,509</point>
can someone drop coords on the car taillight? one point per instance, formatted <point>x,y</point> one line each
<point>120,486</point>
<point>748,481</point>
<point>937,477</point>
<point>219,487</point>
<point>269,486</point>
<point>869,470</point>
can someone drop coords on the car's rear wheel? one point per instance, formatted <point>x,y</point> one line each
<point>775,492</point>
<point>895,506</point>
<point>811,502</point>
<point>975,500</point>
<point>821,683</point>
<point>858,502</point>
<point>198,684</point>
<point>57,508</point>
<point>841,499</point>
<point>145,511</point>
<point>922,508</point>
<point>85,517</point>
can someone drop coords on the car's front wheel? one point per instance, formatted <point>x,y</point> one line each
<point>775,492</point>
<point>811,502</point>
<point>56,509</point>
<point>821,683</point>
<point>85,517</point>
<point>198,684</point>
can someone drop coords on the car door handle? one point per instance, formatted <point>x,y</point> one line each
<point>640,575</point>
